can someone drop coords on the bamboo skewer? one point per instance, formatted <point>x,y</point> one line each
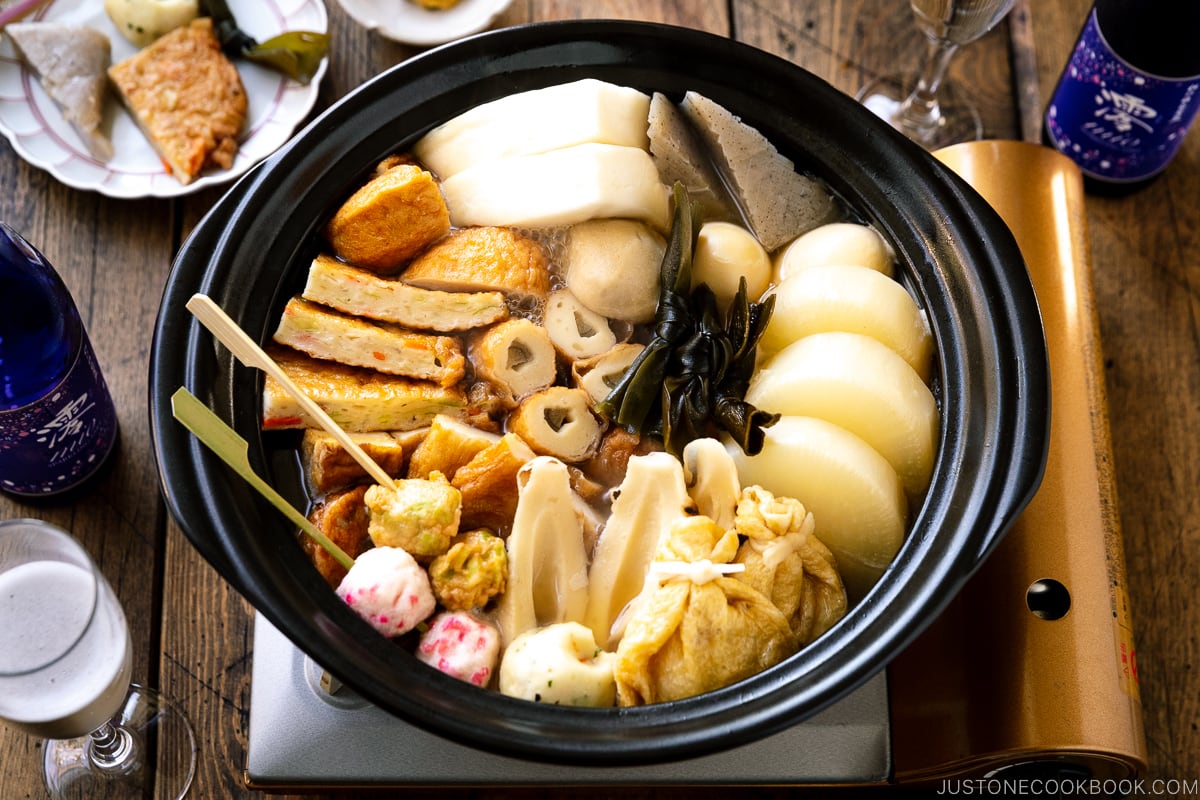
<point>232,449</point>
<point>212,317</point>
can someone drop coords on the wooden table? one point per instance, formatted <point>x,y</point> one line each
<point>192,634</point>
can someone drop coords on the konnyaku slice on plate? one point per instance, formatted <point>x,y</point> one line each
<point>187,97</point>
<point>70,62</point>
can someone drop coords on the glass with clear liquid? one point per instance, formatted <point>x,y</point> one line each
<point>925,106</point>
<point>959,21</point>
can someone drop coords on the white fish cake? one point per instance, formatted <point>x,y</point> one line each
<point>537,121</point>
<point>388,589</point>
<point>561,187</point>
<point>559,664</point>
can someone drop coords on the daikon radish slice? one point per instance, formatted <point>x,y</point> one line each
<point>861,385</point>
<point>836,243</point>
<point>853,299</point>
<point>855,498</point>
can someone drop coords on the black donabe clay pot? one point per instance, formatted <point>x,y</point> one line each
<point>252,252</point>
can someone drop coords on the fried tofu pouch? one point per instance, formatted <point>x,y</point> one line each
<point>697,630</point>
<point>786,562</point>
<point>329,466</point>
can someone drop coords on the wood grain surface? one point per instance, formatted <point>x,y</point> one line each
<point>192,633</point>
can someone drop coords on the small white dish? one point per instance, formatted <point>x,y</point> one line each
<point>40,135</point>
<point>408,22</point>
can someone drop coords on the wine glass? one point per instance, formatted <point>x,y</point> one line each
<point>925,107</point>
<point>65,666</point>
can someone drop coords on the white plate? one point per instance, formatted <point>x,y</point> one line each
<point>405,21</point>
<point>40,135</point>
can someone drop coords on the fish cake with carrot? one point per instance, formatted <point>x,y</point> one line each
<point>187,97</point>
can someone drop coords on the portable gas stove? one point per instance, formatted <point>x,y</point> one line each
<point>1030,674</point>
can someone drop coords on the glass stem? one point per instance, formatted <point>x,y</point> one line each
<point>112,749</point>
<point>920,113</point>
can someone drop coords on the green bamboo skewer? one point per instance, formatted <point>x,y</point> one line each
<point>233,450</point>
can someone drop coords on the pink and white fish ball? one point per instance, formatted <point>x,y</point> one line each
<point>462,646</point>
<point>389,589</point>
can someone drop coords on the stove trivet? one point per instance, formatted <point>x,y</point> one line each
<point>302,737</point>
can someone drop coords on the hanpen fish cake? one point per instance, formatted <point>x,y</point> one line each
<point>537,121</point>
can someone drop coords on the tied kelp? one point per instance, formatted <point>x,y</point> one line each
<point>694,372</point>
<point>297,54</point>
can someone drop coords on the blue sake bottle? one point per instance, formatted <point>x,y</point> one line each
<point>1129,92</point>
<point>58,424</point>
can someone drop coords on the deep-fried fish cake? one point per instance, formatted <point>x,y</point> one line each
<point>357,399</point>
<point>389,220</point>
<point>343,517</point>
<point>187,97</point>
<point>488,483</point>
<point>483,259</point>
<point>365,294</point>
<point>333,336</point>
